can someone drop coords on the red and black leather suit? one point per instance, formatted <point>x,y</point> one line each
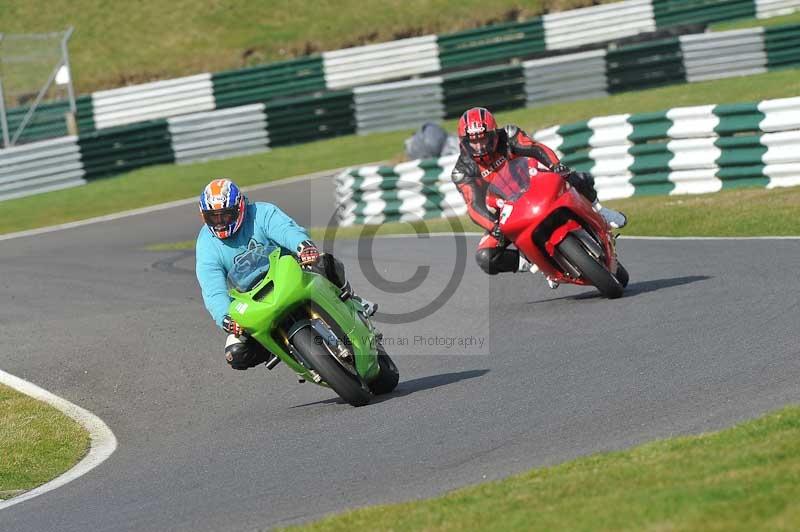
<point>473,178</point>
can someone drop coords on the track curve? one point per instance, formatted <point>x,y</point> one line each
<point>705,336</point>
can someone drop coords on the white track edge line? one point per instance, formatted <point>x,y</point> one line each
<point>163,206</point>
<point>103,441</point>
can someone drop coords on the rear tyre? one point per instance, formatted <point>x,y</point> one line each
<point>387,379</point>
<point>622,275</point>
<point>591,269</point>
<point>348,386</point>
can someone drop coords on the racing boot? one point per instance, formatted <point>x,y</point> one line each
<point>367,307</point>
<point>615,219</point>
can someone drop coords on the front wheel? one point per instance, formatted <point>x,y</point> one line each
<point>591,268</point>
<point>316,353</point>
<point>387,379</point>
<point>622,275</point>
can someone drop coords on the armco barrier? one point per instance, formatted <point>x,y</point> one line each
<point>686,150</point>
<point>377,62</point>
<point>645,65</point>
<point>393,106</point>
<point>774,8</point>
<point>440,54</point>
<point>598,24</point>
<point>308,118</point>
<point>116,150</point>
<point>40,167</point>
<point>219,134</point>
<point>782,44</point>
<point>673,12</point>
<point>267,82</point>
<point>726,54</point>
<point>160,99</point>
<point>498,88</point>
<point>490,44</point>
<point>565,78</point>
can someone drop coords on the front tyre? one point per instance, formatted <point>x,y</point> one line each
<point>316,353</point>
<point>387,379</point>
<point>590,267</point>
<point>622,275</point>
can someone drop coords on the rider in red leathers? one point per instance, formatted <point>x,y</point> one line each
<point>485,148</point>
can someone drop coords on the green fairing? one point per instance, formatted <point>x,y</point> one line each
<point>294,288</point>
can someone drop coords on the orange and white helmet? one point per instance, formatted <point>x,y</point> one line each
<point>222,206</point>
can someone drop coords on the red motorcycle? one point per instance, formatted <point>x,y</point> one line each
<point>555,227</point>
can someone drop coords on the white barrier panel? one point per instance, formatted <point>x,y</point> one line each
<point>392,106</point>
<point>598,24</point>
<point>40,167</point>
<point>782,114</point>
<point>565,78</point>
<point>216,134</point>
<point>774,8</point>
<point>724,54</point>
<point>378,62</point>
<point>160,99</point>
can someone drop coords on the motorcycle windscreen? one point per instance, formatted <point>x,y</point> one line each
<point>513,179</point>
<point>250,267</point>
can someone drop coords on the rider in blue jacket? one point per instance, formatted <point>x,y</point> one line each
<point>232,225</point>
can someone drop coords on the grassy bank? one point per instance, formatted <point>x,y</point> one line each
<point>743,478</point>
<point>158,184</point>
<point>38,442</point>
<point>156,40</point>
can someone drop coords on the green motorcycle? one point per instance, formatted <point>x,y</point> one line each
<point>301,318</point>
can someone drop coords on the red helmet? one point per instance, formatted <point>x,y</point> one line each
<point>477,132</point>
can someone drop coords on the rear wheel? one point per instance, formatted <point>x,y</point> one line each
<point>590,267</point>
<point>349,386</point>
<point>387,379</point>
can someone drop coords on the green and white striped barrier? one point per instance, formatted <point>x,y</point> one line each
<point>685,150</point>
<point>691,58</point>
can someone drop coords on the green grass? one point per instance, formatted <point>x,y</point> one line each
<point>793,18</point>
<point>134,42</point>
<point>158,184</point>
<point>744,478</point>
<point>37,442</point>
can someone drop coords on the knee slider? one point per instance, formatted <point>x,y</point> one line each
<point>485,258</point>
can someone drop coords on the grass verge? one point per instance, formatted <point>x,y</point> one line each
<point>743,478</point>
<point>158,184</point>
<point>38,442</point>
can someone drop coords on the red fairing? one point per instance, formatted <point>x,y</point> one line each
<point>547,198</point>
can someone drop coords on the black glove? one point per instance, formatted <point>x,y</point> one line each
<point>562,169</point>
<point>231,327</point>
<point>497,233</point>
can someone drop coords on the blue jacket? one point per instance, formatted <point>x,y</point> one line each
<point>263,222</point>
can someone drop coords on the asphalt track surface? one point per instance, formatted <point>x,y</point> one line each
<point>707,335</point>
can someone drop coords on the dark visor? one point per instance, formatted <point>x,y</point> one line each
<point>480,145</point>
<point>220,217</point>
